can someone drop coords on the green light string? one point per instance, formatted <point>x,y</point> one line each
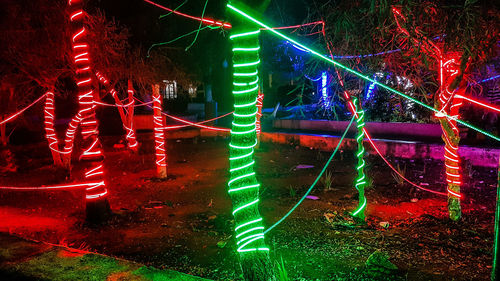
<point>178,38</point>
<point>494,272</point>
<point>360,168</point>
<point>243,187</point>
<point>199,27</point>
<point>178,7</point>
<point>358,73</point>
<point>315,181</point>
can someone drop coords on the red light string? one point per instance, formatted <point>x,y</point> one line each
<point>161,157</point>
<point>192,123</point>
<point>299,25</point>
<point>480,103</point>
<point>260,102</point>
<point>13,116</point>
<point>92,153</point>
<point>54,187</point>
<point>202,122</point>
<point>206,21</point>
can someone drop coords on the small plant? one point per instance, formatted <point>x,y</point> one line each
<point>319,156</point>
<point>402,171</point>
<point>369,182</point>
<point>292,191</point>
<point>282,275</point>
<point>327,180</point>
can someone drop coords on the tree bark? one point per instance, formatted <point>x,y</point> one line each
<point>50,132</point>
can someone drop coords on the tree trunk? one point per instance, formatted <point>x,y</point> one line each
<point>131,136</point>
<point>161,158</point>
<point>97,206</point>
<point>452,85</point>
<point>360,183</point>
<point>3,132</point>
<point>243,185</point>
<point>50,132</point>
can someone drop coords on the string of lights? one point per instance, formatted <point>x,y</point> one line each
<point>482,104</point>
<point>199,123</point>
<point>193,123</point>
<point>206,21</point>
<point>315,181</point>
<point>54,187</point>
<point>14,115</point>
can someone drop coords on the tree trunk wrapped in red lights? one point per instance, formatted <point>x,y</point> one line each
<point>131,138</point>
<point>92,155</point>
<point>449,103</point>
<point>126,111</point>
<point>50,132</point>
<point>161,158</point>
<point>452,69</point>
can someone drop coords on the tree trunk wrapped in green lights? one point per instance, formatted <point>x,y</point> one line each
<point>360,167</point>
<point>243,185</point>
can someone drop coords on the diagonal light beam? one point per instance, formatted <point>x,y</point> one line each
<point>359,74</point>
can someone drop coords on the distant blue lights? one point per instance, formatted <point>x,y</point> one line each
<point>348,56</point>
<point>324,89</point>
<point>489,79</point>
<point>312,79</point>
<point>371,88</point>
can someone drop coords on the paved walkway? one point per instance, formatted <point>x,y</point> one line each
<point>27,260</point>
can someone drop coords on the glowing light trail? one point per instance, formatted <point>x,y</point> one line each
<point>13,116</point>
<point>315,181</point>
<point>54,187</point>
<point>485,105</point>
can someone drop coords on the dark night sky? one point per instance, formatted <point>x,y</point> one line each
<point>206,59</point>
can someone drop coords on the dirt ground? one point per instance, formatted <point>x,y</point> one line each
<point>185,222</point>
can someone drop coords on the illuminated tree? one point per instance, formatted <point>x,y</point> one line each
<point>243,184</point>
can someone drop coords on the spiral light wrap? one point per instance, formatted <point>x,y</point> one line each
<point>92,152</point>
<point>49,112</point>
<point>161,158</point>
<point>450,103</point>
<point>360,167</point>
<point>243,185</point>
